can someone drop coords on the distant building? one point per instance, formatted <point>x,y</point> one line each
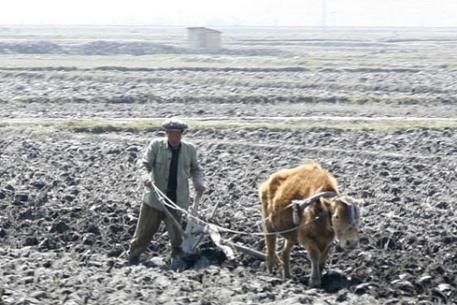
<point>204,38</point>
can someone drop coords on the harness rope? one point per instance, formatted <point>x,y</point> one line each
<point>168,203</point>
<point>301,204</point>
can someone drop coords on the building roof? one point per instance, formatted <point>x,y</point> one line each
<point>200,28</point>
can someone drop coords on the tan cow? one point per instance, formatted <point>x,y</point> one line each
<point>294,206</point>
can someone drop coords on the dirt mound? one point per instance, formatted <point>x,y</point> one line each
<point>30,47</point>
<point>105,47</point>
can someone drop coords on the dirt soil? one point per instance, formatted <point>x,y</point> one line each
<point>69,201</point>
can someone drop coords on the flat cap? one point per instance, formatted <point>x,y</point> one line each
<point>174,124</point>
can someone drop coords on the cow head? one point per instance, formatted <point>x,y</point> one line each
<point>345,219</point>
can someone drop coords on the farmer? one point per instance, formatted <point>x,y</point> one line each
<point>167,163</point>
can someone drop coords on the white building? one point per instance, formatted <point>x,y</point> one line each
<point>204,38</point>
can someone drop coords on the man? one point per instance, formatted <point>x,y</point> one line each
<point>167,163</point>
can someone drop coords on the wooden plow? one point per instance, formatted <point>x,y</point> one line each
<point>196,230</point>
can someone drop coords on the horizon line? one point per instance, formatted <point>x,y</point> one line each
<point>225,26</point>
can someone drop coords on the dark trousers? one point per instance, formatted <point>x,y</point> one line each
<point>148,224</point>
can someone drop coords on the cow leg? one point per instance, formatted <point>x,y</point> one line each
<point>270,243</point>
<point>324,256</point>
<point>285,257</point>
<point>315,256</point>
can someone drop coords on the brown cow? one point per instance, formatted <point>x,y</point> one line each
<point>314,222</point>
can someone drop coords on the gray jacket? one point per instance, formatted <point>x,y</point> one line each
<point>156,163</point>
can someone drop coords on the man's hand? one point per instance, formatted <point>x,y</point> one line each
<point>147,182</point>
<point>200,188</point>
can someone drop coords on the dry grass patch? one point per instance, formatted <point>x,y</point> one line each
<point>137,125</point>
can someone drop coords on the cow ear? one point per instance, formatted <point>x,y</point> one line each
<point>325,202</point>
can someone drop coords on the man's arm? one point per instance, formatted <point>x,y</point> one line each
<point>196,172</point>
<point>147,162</point>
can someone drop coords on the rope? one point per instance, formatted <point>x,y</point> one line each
<point>167,202</point>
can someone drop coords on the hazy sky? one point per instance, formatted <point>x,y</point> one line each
<point>232,12</point>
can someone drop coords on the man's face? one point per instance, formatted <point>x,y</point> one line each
<point>174,137</point>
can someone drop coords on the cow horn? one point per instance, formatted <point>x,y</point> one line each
<point>309,200</point>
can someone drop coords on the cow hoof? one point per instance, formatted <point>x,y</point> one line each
<point>133,260</point>
<point>286,275</point>
<point>314,282</point>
